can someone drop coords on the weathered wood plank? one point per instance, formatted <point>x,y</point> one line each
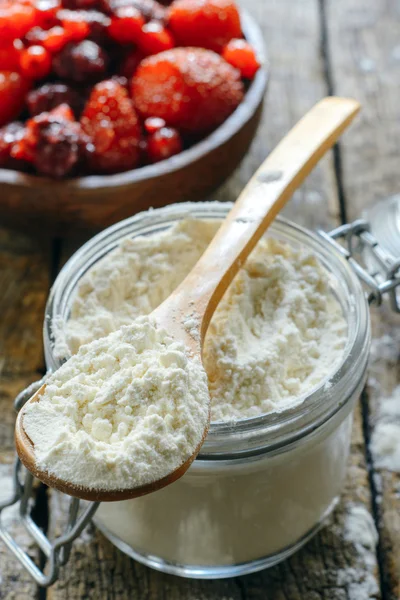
<point>330,567</point>
<point>384,378</point>
<point>9,388</point>
<point>15,583</point>
<point>24,284</point>
<point>363,40</point>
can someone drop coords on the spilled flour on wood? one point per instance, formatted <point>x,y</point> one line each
<point>360,581</point>
<point>385,441</point>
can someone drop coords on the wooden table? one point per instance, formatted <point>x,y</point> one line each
<point>316,47</point>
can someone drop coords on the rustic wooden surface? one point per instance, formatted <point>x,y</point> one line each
<point>364,57</point>
<point>349,47</point>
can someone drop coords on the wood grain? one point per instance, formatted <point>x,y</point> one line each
<point>24,284</point>
<point>364,55</point>
<point>15,583</point>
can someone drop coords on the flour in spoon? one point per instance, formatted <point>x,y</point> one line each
<point>126,410</point>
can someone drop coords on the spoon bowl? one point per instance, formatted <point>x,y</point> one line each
<point>197,297</point>
<point>26,451</point>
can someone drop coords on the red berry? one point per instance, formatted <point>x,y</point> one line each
<point>22,150</point>
<point>126,25</point>
<point>82,24</point>
<point>9,56</point>
<point>47,12</point>
<point>16,20</point>
<point>48,134</point>
<point>155,38</point>
<point>130,63</point>
<point>192,89</point>
<point>241,55</point>
<point>35,62</point>
<point>205,23</point>
<point>75,25</point>
<point>163,144</point>
<point>76,31</point>
<point>110,119</point>
<point>153,124</point>
<point>54,142</point>
<point>35,36</point>
<point>63,112</point>
<point>55,39</point>
<point>13,89</point>
<point>9,135</point>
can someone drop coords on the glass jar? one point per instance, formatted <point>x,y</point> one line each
<point>261,487</point>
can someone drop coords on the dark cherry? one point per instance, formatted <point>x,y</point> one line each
<point>150,9</point>
<point>50,95</point>
<point>59,148</point>
<point>80,4</point>
<point>81,62</point>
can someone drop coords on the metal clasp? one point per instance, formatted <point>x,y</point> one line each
<point>384,276</point>
<point>58,550</point>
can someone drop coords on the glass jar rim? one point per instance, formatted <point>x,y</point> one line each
<point>273,430</point>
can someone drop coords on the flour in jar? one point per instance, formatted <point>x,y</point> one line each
<point>278,332</point>
<point>126,410</point>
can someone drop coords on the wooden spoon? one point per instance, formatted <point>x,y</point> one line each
<point>199,294</point>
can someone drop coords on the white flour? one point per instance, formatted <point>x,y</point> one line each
<point>126,410</point>
<point>360,580</point>
<point>276,334</point>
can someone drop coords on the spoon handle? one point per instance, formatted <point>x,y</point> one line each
<point>261,200</point>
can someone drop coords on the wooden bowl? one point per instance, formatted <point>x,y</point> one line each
<point>96,201</point>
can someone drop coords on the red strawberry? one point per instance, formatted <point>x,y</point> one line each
<point>112,123</point>
<point>192,89</point>
<point>13,89</point>
<point>205,23</point>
